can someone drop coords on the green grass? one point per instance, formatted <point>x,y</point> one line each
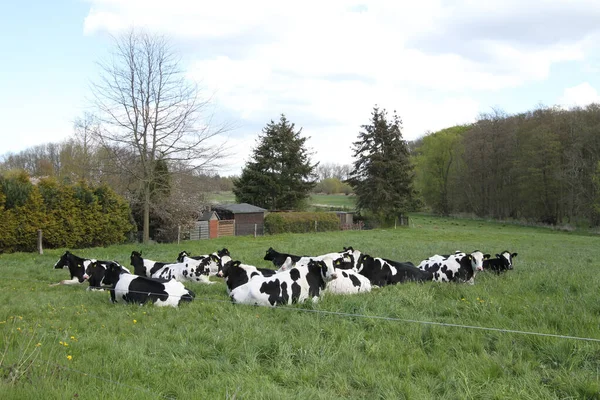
<point>211,348</point>
<point>317,200</point>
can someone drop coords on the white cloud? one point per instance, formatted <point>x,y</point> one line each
<point>325,64</point>
<point>580,95</point>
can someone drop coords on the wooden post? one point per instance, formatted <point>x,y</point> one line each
<point>254,230</point>
<point>395,221</point>
<point>39,243</point>
<point>315,225</point>
<point>178,233</point>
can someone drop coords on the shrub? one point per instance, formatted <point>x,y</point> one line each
<point>301,222</point>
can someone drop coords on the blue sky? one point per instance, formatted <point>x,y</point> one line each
<point>323,64</point>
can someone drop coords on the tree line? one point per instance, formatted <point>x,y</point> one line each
<point>541,166</point>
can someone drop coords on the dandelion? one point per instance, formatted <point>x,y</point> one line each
<point>61,342</point>
<point>38,345</point>
<point>69,357</point>
<point>135,321</point>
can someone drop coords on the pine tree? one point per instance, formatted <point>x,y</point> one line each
<point>280,175</point>
<point>382,176</point>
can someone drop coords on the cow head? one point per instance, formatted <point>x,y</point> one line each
<point>138,263</point>
<point>223,252</point>
<point>325,268</point>
<point>270,256</point>
<point>112,274</point>
<point>182,255</point>
<point>508,257</point>
<point>477,258</point>
<point>225,270</point>
<point>63,261</point>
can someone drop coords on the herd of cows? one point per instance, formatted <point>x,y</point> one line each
<point>297,278</point>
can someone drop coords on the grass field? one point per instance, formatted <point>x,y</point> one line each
<point>320,200</point>
<point>64,342</point>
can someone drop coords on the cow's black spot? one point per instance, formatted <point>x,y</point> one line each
<point>355,281</point>
<point>294,274</point>
<point>345,275</point>
<point>285,297</point>
<point>272,289</point>
<point>252,275</point>
<point>295,292</point>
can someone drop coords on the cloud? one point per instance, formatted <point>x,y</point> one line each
<point>580,95</point>
<point>326,64</point>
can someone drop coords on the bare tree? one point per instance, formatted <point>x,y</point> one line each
<point>147,107</point>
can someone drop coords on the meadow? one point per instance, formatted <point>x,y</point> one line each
<point>316,201</point>
<point>410,341</point>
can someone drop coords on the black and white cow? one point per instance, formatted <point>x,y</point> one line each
<point>213,262</point>
<point>382,272</point>
<point>457,267</point>
<point>237,274</point>
<point>136,289</point>
<point>77,268</point>
<point>502,263</point>
<point>95,271</point>
<point>278,258</point>
<point>196,271</point>
<point>343,260</point>
<point>287,287</point>
<point>348,281</point>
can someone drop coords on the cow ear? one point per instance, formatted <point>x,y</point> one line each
<point>513,255</point>
<point>498,256</point>
<point>470,257</point>
<point>214,258</point>
<point>236,263</point>
<point>486,256</point>
<point>337,262</point>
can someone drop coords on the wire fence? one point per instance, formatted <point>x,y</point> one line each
<point>295,309</point>
<point>355,315</point>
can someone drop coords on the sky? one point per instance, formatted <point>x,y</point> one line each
<point>324,64</point>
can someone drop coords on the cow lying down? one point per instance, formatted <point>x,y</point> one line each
<point>237,274</point>
<point>457,267</point>
<point>77,269</point>
<point>136,289</point>
<point>190,270</point>
<point>292,286</point>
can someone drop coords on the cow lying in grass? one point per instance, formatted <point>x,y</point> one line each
<point>292,286</point>
<point>193,270</point>
<point>212,261</point>
<point>383,272</point>
<point>77,268</point>
<point>502,262</point>
<point>285,261</point>
<point>457,267</point>
<point>136,289</point>
<point>237,274</point>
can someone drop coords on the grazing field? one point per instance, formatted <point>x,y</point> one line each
<point>319,200</point>
<point>64,342</point>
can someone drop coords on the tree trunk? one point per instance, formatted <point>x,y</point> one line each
<point>146,237</point>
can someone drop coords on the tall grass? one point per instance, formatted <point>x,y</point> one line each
<point>211,348</point>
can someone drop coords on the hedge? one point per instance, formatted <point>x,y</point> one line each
<point>71,216</point>
<point>301,222</point>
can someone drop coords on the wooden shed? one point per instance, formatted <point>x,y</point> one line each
<point>201,229</point>
<point>247,219</point>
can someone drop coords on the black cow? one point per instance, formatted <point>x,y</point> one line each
<point>136,289</point>
<point>502,262</point>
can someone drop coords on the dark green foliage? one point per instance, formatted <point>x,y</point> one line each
<point>382,175</point>
<point>301,222</point>
<point>69,216</point>
<point>280,175</point>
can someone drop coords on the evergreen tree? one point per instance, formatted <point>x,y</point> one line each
<point>382,176</point>
<point>280,175</point>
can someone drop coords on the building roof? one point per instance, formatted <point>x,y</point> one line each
<point>208,215</point>
<point>241,208</point>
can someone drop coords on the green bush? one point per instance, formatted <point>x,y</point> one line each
<point>301,222</point>
<point>71,216</point>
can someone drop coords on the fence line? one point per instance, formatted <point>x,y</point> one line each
<point>378,317</point>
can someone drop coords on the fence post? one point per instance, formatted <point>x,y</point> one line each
<point>395,221</point>
<point>39,242</point>
<point>178,233</point>
<point>315,225</point>
<point>254,230</point>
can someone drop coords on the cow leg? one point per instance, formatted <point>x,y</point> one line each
<point>74,281</point>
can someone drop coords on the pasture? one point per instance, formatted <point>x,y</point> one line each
<point>315,200</point>
<point>66,342</point>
